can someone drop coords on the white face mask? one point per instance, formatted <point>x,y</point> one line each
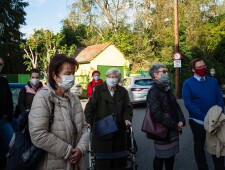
<point>111,82</point>
<point>67,82</point>
<point>34,81</point>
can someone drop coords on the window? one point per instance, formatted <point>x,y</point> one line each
<point>144,82</point>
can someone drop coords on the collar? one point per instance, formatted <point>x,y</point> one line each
<point>199,77</point>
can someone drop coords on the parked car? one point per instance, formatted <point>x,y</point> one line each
<point>137,88</point>
<point>77,89</point>
<point>15,89</point>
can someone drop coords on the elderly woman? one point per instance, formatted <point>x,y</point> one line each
<point>161,100</point>
<point>66,139</point>
<point>109,98</point>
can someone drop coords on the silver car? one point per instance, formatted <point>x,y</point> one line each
<point>77,89</point>
<point>137,88</point>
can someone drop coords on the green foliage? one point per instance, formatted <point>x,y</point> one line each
<point>144,32</point>
<point>12,16</point>
<point>41,47</point>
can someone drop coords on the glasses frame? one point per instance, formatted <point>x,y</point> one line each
<point>199,67</point>
<point>163,71</point>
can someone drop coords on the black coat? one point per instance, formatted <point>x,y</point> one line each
<point>99,106</point>
<point>160,102</point>
<point>6,102</point>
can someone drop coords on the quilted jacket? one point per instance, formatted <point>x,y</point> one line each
<point>57,139</point>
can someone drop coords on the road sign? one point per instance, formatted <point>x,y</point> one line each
<point>177,56</point>
<point>177,63</point>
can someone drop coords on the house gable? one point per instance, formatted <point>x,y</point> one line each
<point>86,54</point>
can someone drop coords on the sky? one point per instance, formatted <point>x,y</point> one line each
<point>46,14</point>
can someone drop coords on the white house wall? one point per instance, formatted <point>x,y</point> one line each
<point>111,56</point>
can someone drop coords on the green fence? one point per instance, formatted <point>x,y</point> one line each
<point>17,78</point>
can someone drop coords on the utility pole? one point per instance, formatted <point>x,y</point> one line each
<point>176,33</point>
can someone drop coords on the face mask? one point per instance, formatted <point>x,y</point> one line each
<point>212,73</point>
<point>111,82</point>
<point>67,82</point>
<point>96,78</point>
<point>201,71</point>
<point>1,68</point>
<point>164,77</point>
<point>34,81</point>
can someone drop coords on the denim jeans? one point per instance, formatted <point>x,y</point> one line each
<point>6,133</point>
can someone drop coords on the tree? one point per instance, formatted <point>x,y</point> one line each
<point>12,16</point>
<point>40,48</point>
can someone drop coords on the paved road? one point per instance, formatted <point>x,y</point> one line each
<point>144,157</point>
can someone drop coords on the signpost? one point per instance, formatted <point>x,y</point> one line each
<point>177,59</point>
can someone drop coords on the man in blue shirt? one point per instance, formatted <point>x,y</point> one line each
<point>200,93</point>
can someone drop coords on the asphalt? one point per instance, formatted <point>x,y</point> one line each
<point>184,159</point>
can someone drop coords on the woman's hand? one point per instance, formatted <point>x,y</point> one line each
<point>76,156</point>
<point>180,126</point>
<point>127,122</point>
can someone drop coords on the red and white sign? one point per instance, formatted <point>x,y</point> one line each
<point>177,56</point>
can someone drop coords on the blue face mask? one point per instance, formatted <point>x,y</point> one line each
<point>111,82</point>
<point>212,73</point>
<point>96,78</point>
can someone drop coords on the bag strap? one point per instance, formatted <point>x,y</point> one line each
<point>52,110</point>
<point>51,117</point>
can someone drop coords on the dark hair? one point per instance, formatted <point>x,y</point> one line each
<point>34,70</point>
<point>55,66</point>
<point>192,63</point>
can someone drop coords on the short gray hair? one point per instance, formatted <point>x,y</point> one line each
<point>154,68</point>
<point>114,71</point>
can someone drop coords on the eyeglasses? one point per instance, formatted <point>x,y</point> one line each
<point>163,71</point>
<point>200,67</point>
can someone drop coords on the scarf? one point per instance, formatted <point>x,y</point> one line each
<point>163,85</point>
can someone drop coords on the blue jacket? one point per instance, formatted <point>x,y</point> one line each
<point>199,96</point>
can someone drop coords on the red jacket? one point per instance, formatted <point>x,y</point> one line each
<point>91,85</point>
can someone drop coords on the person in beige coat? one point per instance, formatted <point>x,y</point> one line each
<point>214,124</point>
<point>66,140</point>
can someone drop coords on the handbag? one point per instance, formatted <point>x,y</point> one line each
<point>154,130</point>
<point>24,155</point>
<point>106,127</point>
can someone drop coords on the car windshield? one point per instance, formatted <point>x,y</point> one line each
<point>143,82</point>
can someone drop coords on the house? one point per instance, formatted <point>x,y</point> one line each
<point>99,57</point>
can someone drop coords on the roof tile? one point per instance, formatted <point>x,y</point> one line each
<point>86,54</point>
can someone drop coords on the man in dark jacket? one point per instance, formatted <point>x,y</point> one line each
<point>6,112</point>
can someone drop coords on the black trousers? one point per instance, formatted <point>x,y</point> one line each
<point>199,135</point>
<point>158,163</point>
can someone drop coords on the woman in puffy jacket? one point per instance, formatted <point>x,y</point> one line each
<point>66,139</point>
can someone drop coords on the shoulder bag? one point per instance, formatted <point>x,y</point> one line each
<point>153,129</point>
<point>24,155</point>
<point>106,127</point>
